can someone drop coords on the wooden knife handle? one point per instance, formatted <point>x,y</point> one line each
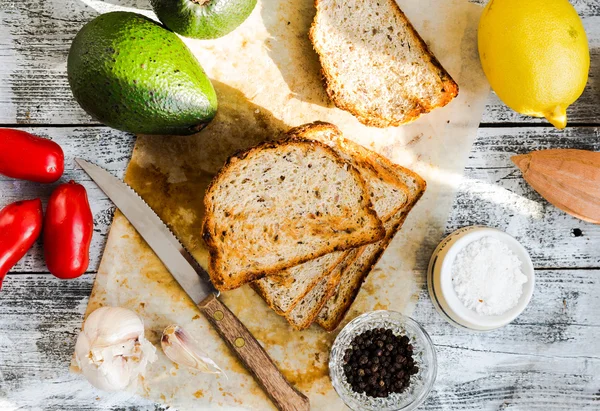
<point>253,355</point>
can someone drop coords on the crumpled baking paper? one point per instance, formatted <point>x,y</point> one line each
<point>268,79</point>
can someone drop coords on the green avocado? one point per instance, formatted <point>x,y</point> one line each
<point>133,74</point>
<point>203,19</point>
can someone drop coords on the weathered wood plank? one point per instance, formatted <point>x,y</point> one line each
<point>562,320</point>
<point>494,193</point>
<point>546,360</point>
<point>35,37</point>
<point>497,381</point>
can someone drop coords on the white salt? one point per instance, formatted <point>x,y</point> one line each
<point>487,277</point>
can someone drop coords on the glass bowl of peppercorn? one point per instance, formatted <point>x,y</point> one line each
<point>383,361</point>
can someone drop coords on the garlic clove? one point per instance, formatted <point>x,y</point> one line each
<point>181,348</point>
<point>111,349</point>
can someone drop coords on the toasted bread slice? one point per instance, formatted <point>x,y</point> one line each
<point>374,63</point>
<point>387,194</point>
<point>280,204</point>
<point>305,313</point>
<point>337,306</point>
<point>283,291</point>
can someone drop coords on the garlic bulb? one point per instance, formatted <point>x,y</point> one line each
<point>183,349</point>
<point>111,350</point>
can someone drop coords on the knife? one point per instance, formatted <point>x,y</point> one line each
<point>196,283</point>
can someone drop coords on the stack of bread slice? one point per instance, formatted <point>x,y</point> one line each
<point>304,219</point>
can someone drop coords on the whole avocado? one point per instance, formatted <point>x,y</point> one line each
<point>133,74</point>
<point>203,19</point>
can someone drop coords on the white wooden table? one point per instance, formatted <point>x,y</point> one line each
<point>548,359</point>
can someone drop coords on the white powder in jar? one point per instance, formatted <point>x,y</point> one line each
<point>487,277</point>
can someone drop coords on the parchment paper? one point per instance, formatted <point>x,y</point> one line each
<point>267,80</point>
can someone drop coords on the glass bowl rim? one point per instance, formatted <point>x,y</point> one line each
<point>399,318</point>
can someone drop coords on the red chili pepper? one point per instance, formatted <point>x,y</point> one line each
<point>68,229</point>
<point>20,226</point>
<point>28,157</point>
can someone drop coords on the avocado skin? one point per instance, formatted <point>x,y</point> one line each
<point>133,74</point>
<point>201,19</point>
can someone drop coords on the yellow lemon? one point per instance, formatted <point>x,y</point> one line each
<point>535,55</point>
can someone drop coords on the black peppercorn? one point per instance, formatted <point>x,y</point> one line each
<point>379,363</point>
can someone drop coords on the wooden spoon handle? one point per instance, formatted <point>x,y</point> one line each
<point>253,355</point>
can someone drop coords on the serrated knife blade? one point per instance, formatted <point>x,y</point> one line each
<point>196,283</point>
<point>188,273</point>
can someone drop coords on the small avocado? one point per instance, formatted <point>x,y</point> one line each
<point>203,19</point>
<point>133,74</point>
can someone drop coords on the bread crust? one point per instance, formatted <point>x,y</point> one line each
<point>258,287</point>
<point>217,276</point>
<point>370,117</point>
<point>340,312</point>
<point>334,280</point>
<point>361,155</point>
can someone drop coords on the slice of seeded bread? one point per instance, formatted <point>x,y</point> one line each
<point>339,303</point>
<point>283,291</point>
<point>388,195</point>
<point>305,313</point>
<point>337,306</point>
<point>280,204</point>
<point>374,63</point>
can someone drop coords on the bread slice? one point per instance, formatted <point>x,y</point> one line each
<point>387,194</point>
<point>374,63</point>
<point>304,313</point>
<point>337,306</point>
<point>283,291</point>
<point>280,204</point>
